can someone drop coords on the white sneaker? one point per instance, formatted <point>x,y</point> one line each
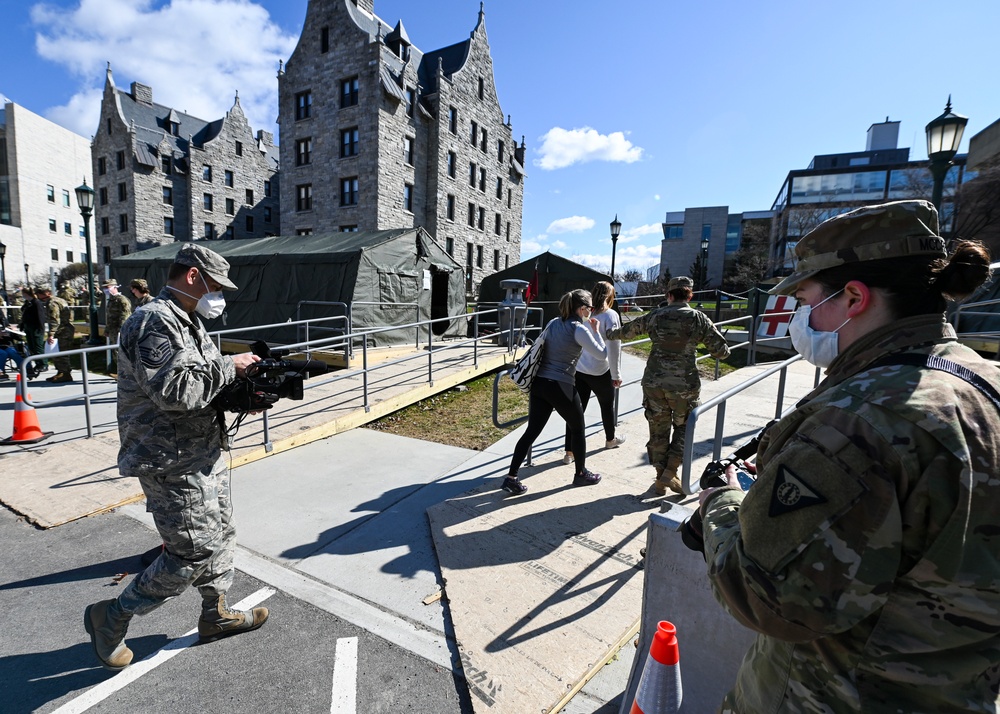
<point>614,443</point>
<point>568,457</point>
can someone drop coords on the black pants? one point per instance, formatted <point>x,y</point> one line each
<point>603,388</point>
<point>546,395</point>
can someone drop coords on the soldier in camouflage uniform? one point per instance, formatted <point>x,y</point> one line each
<point>60,321</point>
<point>671,386</point>
<point>67,294</point>
<point>118,308</point>
<point>140,292</point>
<point>172,440</point>
<point>866,553</point>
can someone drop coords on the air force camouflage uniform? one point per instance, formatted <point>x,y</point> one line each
<point>671,387</point>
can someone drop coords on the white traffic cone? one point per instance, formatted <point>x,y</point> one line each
<point>659,689</point>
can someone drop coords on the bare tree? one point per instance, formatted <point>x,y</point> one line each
<point>632,275</point>
<point>978,203</point>
<point>750,264</point>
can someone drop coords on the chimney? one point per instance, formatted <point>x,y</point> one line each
<point>265,138</point>
<point>142,94</point>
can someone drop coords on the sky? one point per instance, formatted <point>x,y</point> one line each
<point>628,109</point>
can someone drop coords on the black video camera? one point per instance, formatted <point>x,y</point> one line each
<point>267,381</point>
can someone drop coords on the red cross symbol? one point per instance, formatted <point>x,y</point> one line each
<point>772,323</point>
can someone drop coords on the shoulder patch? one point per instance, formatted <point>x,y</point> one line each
<point>791,492</point>
<point>154,350</point>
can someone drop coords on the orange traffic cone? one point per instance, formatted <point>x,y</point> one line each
<point>659,689</point>
<point>26,428</point>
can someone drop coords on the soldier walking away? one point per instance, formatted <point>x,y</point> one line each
<point>60,328</point>
<point>140,292</point>
<point>32,324</point>
<point>173,440</point>
<point>671,386</point>
<point>118,310</point>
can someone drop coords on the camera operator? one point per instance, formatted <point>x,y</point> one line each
<point>172,440</point>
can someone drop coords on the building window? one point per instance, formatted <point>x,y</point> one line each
<point>68,228</point>
<point>474,134</point>
<point>166,163</point>
<point>124,250</point>
<point>120,157</point>
<point>468,254</point>
<point>303,231</point>
<point>69,256</point>
<point>239,148</point>
<point>108,124</point>
<point>449,246</point>
<point>499,188</point>
<point>54,253</point>
<point>208,231</point>
<point>481,222</point>
<point>50,193</point>
<point>168,225</point>
<point>303,151</point>
<point>408,197</point>
<point>349,142</point>
<point>230,207</point>
<point>106,252</point>
<point>52,225</point>
<point>349,92</point>
<point>497,222</point>
<point>123,223</point>
<point>453,120</point>
<point>500,151</point>
<point>168,195</point>
<point>228,178</point>
<point>506,262</point>
<point>324,40</point>
<point>349,229</point>
<point>206,173</point>
<point>65,197</point>
<point>102,195</point>
<point>510,196</point>
<point>482,180</point>
<point>267,214</point>
<point>706,231</point>
<point>105,227</point>
<point>452,159</point>
<point>479,256</point>
<point>102,166</point>
<point>483,140</point>
<point>411,99</point>
<point>482,87</point>
<point>249,224</point>
<point>496,260</point>
<point>267,189</point>
<point>472,215</point>
<point>249,197</point>
<point>472,174</point>
<point>349,191</point>
<point>175,128</point>
<point>230,233</point>
<point>408,150</point>
<point>122,192</point>
<point>304,197</point>
<point>451,207</point>
<point>206,201</point>
<point>508,231</point>
<point>303,105</point>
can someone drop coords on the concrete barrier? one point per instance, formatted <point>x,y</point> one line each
<point>676,588</point>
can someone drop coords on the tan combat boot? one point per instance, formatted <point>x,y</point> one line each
<point>218,621</point>
<point>668,479</point>
<point>107,623</point>
<point>659,485</point>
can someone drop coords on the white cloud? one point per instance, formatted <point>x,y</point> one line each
<point>530,247</point>
<point>573,224</point>
<point>561,148</point>
<point>632,234</point>
<point>656,197</point>
<point>195,54</point>
<point>635,256</point>
<point>558,244</point>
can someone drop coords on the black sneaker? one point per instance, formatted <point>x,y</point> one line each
<point>586,478</point>
<point>513,485</point>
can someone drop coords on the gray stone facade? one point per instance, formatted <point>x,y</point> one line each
<point>163,175</point>
<point>410,111</point>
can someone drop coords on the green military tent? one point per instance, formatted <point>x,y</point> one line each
<point>384,277</point>
<point>556,276</point>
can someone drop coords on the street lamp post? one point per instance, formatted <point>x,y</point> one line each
<point>616,229</point>
<point>944,135</point>
<point>704,262</point>
<point>3,268</point>
<point>85,199</point>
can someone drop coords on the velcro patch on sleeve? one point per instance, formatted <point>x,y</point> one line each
<point>154,350</point>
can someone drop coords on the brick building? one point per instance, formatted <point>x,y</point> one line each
<point>162,175</point>
<point>376,134</point>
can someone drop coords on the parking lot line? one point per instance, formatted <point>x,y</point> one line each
<point>345,677</point>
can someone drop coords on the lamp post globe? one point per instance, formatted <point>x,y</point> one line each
<point>616,229</point>
<point>85,199</point>
<point>944,136</point>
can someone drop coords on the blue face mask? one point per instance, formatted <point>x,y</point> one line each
<point>818,347</point>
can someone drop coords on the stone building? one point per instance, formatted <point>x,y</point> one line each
<point>162,175</point>
<point>41,164</point>
<point>376,134</point>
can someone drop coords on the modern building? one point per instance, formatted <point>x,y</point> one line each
<point>41,164</point>
<point>376,134</point>
<point>836,183</point>
<point>162,175</point>
<point>708,236</point>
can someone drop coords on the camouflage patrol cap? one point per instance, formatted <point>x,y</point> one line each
<point>888,230</point>
<point>208,261</point>
<point>109,282</point>
<point>680,283</point>
<point>139,284</point>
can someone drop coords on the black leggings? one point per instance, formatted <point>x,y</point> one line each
<point>546,395</point>
<point>603,388</point>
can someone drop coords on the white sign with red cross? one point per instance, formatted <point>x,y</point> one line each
<point>773,323</point>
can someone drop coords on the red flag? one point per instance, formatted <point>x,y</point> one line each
<point>531,292</point>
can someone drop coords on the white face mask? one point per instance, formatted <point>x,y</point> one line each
<point>819,348</point>
<point>210,304</point>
